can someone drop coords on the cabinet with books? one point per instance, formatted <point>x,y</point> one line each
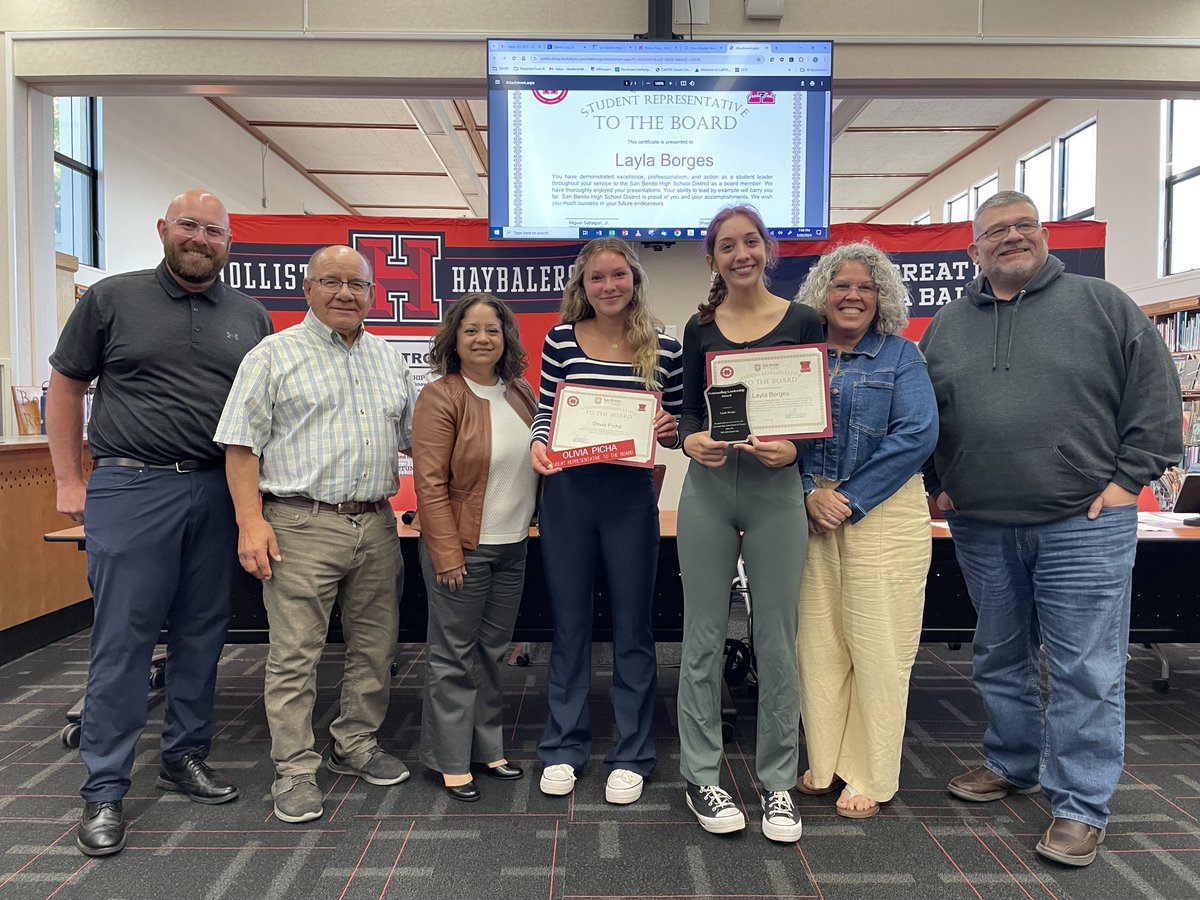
<point>1178,321</point>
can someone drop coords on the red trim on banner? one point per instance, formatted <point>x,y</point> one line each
<point>421,266</point>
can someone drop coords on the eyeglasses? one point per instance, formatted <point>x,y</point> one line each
<point>1025,228</point>
<point>357,286</point>
<point>218,234</point>
<point>845,287</point>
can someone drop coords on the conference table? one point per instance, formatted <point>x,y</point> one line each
<point>1165,604</point>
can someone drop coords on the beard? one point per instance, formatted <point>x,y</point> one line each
<point>1016,271</point>
<point>188,268</point>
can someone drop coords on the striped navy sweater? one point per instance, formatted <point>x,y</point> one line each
<point>564,360</point>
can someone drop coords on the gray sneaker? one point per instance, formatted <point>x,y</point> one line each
<point>297,798</point>
<point>380,768</point>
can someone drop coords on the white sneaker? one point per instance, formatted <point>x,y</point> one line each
<point>558,780</point>
<point>623,786</point>
<point>781,821</point>
<point>714,809</point>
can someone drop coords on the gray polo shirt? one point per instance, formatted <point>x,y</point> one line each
<point>165,358</point>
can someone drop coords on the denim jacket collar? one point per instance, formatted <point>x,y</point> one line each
<point>870,345</point>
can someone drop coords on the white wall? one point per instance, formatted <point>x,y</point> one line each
<point>1128,185</point>
<point>156,148</point>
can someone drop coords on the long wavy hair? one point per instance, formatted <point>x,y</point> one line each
<point>718,290</point>
<point>891,314</point>
<point>641,328</point>
<point>443,346</point>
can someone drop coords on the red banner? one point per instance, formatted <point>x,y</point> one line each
<point>423,265</point>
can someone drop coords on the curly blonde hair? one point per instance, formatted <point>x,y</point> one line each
<point>891,313</point>
<point>641,328</point>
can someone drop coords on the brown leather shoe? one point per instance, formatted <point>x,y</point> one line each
<point>982,784</point>
<point>1070,842</point>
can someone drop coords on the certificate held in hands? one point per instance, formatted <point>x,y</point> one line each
<point>598,424</point>
<point>776,393</point>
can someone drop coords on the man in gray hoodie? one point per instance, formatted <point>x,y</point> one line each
<point>1057,402</point>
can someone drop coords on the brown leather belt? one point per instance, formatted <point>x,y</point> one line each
<point>345,508</point>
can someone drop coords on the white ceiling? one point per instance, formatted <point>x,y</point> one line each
<point>391,157</point>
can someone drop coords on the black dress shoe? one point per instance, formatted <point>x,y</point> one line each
<point>467,793</point>
<point>191,775</point>
<point>504,771</point>
<point>101,829</point>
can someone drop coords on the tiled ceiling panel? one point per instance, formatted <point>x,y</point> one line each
<point>931,113</point>
<point>322,109</point>
<point>885,152</point>
<point>900,143</point>
<point>357,149</point>
<point>396,190</point>
<point>869,192</point>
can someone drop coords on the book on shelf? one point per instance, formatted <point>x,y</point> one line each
<point>1191,423</point>
<point>1188,367</point>
<point>27,401</point>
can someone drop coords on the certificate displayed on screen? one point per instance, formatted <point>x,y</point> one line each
<point>645,140</point>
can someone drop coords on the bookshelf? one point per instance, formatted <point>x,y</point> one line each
<point>1178,321</point>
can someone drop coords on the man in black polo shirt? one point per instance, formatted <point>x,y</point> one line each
<point>161,537</point>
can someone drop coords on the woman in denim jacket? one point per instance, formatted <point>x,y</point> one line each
<point>864,581</point>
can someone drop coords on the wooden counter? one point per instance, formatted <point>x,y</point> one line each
<point>36,578</point>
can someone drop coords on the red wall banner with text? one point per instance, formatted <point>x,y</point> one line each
<point>423,265</point>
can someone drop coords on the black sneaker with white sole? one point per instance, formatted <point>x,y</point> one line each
<point>714,809</point>
<point>781,821</point>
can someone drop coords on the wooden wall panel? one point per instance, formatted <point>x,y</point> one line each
<point>35,577</point>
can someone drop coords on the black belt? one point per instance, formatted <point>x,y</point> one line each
<point>183,466</point>
<point>345,508</point>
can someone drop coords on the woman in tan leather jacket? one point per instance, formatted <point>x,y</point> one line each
<point>475,498</point>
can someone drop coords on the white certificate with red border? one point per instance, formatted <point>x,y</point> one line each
<point>787,388</point>
<point>595,424</point>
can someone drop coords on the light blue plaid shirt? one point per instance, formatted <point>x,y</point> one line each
<point>325,420</point>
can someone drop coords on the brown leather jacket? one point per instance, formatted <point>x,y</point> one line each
<point>451,453</point>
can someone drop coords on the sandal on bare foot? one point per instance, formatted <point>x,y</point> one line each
<point>805,786</point>
<point>846,812</point>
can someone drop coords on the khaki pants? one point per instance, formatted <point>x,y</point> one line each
<point>327,557</point>
<point>861,603</point>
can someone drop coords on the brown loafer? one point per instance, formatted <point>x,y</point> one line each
<point>982,784</point>
<point>1070,842</point>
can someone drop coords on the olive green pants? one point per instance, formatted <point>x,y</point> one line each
<point>740,507</point>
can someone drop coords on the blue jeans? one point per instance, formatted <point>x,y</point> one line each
<point>1064,587</point>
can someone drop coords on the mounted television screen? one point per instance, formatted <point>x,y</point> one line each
<point>646,140</point>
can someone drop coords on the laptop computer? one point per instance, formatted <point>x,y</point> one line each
<point>1188,500</point>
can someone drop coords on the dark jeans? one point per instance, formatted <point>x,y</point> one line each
<point>606,513</point>
<point>161,551</point>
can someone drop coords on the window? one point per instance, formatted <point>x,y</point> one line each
<point>77,178</point>
<point>1183,186</point>
<point>924,218</point>
<point>1077,162</point>
<point>958,208</point>
<point>983,190</point>
<point>1036,180</point>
